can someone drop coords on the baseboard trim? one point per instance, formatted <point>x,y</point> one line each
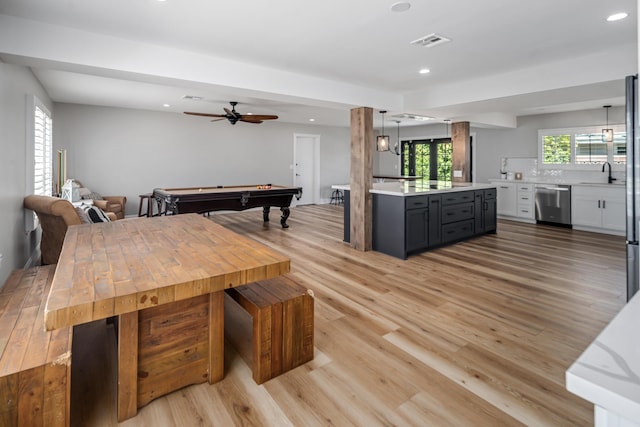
<point>34,259</point>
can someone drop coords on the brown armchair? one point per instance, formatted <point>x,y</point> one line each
<point>55,216</point>
<point>115,204</point>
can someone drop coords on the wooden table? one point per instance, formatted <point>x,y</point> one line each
<point>163,278</point>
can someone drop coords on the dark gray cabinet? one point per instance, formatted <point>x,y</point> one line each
<point>394,220</point>
<point>417,223</point>
<point>412,224</point>
<point>485,205</point>
<point>458,216</point>
<point>347,216</point>
<point>435,228</point>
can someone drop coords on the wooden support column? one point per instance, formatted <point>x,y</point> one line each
<point>461,139</point>
<point>361,179</point>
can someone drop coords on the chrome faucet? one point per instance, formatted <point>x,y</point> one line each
<point>611,179</point>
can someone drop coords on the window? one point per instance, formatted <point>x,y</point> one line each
<point>42,147</point>
<point>581,148</point>
<point>590,149</point>
<point>431,159</point>
<point>556,149</point>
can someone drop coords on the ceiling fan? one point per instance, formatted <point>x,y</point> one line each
<point>233,116</point>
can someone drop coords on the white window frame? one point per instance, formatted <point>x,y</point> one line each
<point>573,132</point>
<point>39,132</point>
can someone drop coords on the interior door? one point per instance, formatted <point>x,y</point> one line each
<point>306,167</point>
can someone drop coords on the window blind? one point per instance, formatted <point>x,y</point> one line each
<point>42,159</point>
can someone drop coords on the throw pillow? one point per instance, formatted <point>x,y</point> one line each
<point>96,214</point>
<point>82,213</point>
<point>93,196</point>
<point>84,192</point>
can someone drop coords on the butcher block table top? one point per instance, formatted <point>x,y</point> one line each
<point>124,266</point>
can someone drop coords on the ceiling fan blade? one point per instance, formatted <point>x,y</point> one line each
<point>205,114</point>
<point>247,119</point>
<point>217,120</point>
<point>260,117</point>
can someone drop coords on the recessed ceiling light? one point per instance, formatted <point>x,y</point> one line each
<point>166,105</point>
<point>617,16</point>
<point>424,71</point>
<point>312,120</point>
<point>401,6</point>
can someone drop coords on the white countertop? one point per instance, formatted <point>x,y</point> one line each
<point>608,372</point>
<point>420,187</point>
<point>616,184</point>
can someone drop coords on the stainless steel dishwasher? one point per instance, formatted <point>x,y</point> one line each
<point>553,203</point>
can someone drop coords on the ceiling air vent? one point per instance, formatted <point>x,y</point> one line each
<point>431,40</point>
<point>192,97</point>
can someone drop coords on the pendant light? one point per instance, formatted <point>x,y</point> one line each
<point>607,133</point>
<point>447,122</point>
<point>382,142</point>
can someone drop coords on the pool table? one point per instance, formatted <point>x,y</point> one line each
<point>236,198</point>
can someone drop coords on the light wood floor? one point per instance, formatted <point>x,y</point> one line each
<point>475,334</point>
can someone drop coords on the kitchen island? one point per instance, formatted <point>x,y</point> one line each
<point>412,217</point>
<point>607,373</point>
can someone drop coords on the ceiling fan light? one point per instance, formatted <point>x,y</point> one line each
<point>382,143</point>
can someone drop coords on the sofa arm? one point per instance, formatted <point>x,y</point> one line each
<point>102,204</point>
<point>122,200</point>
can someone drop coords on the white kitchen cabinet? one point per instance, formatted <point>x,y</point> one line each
<point>507,199</point>
<point>598,208</point>
<point>525,201</point>
<point>614,211</point>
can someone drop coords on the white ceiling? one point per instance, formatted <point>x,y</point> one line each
<point>302,60</point>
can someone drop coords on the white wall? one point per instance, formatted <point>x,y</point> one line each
<point>16,84</point>
<point>128,152</point>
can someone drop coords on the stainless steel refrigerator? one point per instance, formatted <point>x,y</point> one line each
<point>633,185</point>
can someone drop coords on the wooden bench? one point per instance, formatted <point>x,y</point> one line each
<point>274,331</point>
<point>35,364</point>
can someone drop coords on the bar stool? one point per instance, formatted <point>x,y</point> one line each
<point>337,197</point>
<point>148,200</point>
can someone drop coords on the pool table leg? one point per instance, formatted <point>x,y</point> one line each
<point>265,213</point>
<point>285,215</point>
